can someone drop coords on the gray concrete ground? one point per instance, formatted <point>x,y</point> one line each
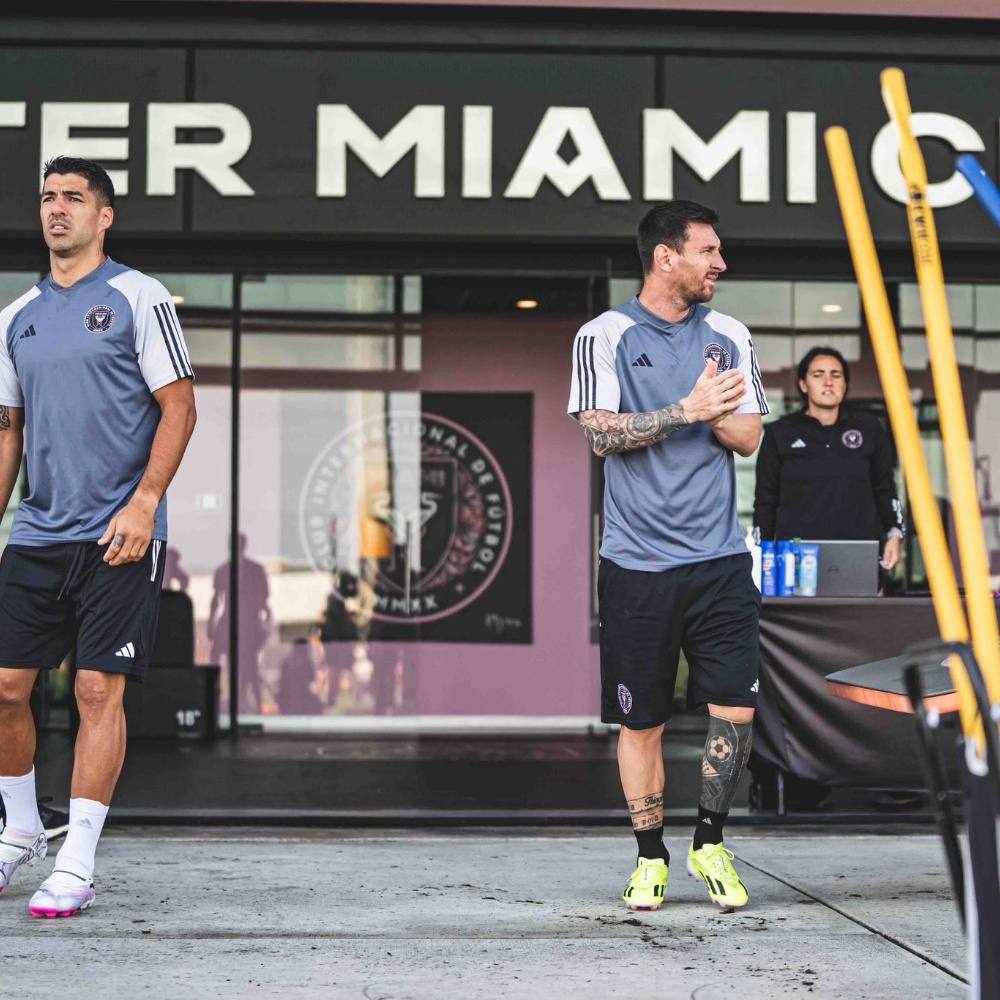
<point>379,915</point>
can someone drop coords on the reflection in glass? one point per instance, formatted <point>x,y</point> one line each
<point>826,305</point>
<point>202,291</point>
<point>332,293</point>
<point>757,304</point>
<point>961,306</point>
<point>326,352</point>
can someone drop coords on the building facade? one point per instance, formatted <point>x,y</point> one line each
<point>383,225</point>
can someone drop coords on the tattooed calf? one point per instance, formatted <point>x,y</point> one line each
<point>646,811</point>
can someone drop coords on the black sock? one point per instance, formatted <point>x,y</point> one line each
<point>651,844</point>
<point>709,828</point>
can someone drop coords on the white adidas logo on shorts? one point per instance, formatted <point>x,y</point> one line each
<point>128,651</point>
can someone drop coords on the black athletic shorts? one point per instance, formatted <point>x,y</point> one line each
<point>710,610</point>
<point>57,597</point>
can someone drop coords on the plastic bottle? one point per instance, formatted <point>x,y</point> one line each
<point>785,565</point>
<point>808,569</point>
<point>796,543</point>
<point>753,544</point>
<point>768,570</point>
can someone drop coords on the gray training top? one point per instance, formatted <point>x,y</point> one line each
<point>84,362</point>
<point>673,503</point>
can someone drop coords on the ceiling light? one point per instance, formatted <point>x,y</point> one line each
<point>178,300</point>
<point>832,307</point>
<point>526,304</point>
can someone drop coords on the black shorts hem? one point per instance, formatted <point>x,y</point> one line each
<point>131,672</point>
<point>734,702</point>
<point>35,665</point>
<point>631,723</point>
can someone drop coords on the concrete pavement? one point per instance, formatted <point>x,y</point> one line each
<point>212,912</point>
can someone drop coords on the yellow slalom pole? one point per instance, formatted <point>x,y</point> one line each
<point>947,387</point>
<point>896,389</point>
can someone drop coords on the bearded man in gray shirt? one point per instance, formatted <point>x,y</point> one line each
<point>667,389</point>
<point>96,389</point>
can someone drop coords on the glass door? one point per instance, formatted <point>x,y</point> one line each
<point>331,524</point>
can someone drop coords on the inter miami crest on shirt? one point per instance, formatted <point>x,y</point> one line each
<point>717,353</point>
<point>852,439</point>
<point>99,319</point>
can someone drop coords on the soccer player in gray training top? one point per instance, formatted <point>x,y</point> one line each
<point>666,390</point>
<point>96,386</point>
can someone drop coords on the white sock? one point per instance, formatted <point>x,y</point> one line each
<point>86,820</point>
<point>21,804</point>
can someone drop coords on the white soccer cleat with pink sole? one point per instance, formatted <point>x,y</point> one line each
<point>61,895</point>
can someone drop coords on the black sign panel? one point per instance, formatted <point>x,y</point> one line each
<point>363,144</point>
<point>98,98</point>
<point>963,100</point>
<point>283,90</point>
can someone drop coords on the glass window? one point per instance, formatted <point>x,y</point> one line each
<point>205,344</point>
<point>205,291</point>
<point>849,344</point>
<point>362,294</point>
<point>622,290</point>
<point>961,309</point>
<point>775,351</point>
<point>200,493</point>
<point>412,294</point>
<point>327,352</point>
<point>987,302</point>
<point>13,284</point>
<point>826,305</point>
<point>411,352</point>
<point>755,303</point>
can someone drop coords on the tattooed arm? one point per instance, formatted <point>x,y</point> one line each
<point>609,432</point>
<point>11,449</point>
<point>712,399</point>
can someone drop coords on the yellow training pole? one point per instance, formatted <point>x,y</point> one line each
<point>896,389</point>
<point>947,388</point>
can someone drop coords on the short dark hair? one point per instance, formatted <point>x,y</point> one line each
<point>96,176</point>
<point>667,223</point>
<point>815,352</point>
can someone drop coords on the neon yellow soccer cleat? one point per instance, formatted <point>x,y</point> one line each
<point>713,865</point>
<point>647,885</point>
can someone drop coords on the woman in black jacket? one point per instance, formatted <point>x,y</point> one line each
<point>825,471</point>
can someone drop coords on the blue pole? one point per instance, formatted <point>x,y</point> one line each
<point>985,190</point>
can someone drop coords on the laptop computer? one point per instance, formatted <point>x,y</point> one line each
<point>846,568</point>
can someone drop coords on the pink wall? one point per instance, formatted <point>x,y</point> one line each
<point>558,673</point>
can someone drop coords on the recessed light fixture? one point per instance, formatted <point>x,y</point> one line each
<point>832,307</point>
<point>526,304</point>
<point>178,300</point>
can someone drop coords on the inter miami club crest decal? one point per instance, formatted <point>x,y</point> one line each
<point>852,439</point>
<point>99,319</point>
<point>444,524</point>
<point>717,353</point>
<point>625,698</point>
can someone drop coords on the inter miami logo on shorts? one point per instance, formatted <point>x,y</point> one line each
<point>625,698</point>
<point>717,353</point>
<point>99,319</point>
<point>437,530</point>
<point>852,439</point>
